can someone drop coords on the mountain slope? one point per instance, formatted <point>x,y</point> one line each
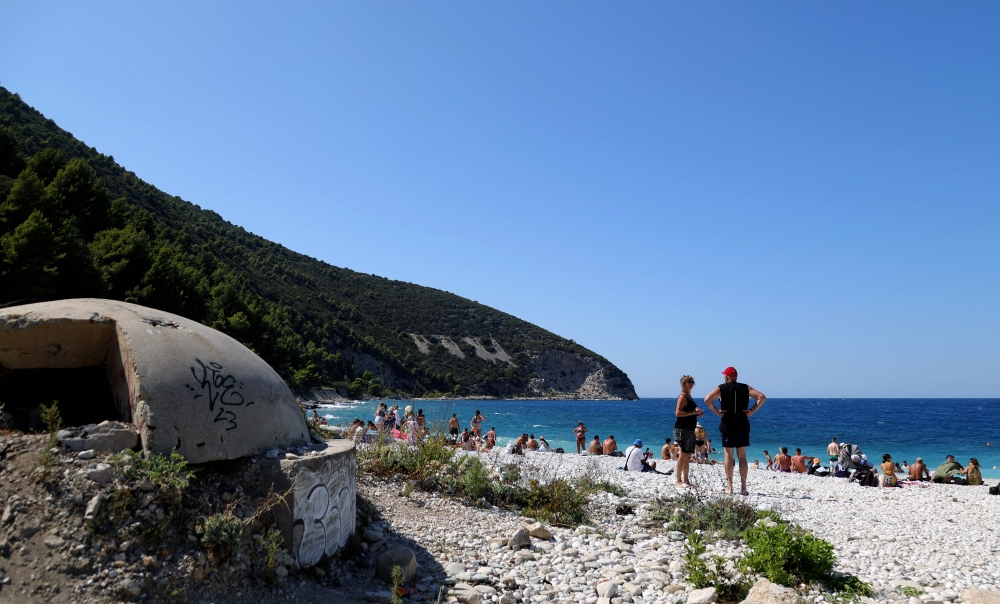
<point>74,223</point>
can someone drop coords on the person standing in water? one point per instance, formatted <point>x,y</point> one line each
<point>735,412</point>
<point>687,413</point>
<point>833,451</point>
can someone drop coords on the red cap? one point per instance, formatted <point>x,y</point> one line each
<point>730,371</point>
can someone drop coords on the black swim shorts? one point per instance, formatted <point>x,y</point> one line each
<point>685,439</point>
<point>453,431</point>
<point>735,441</point>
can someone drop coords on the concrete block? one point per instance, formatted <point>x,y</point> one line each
<point>320,514</point>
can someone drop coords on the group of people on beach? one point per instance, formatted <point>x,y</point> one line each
<point>865,472</point>
<point>732,401</point>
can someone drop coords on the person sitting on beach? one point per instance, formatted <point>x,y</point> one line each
<point>782,461</point>
<point>522,441</point>
<point>595,446</point>
<point>465,438</point>
<point>532,444</point>
<point>543,445</point>
<point>918,471</point>
<point>665,451</point>
<point>889,478</point>
<point>770,462</point>
<point>756,465</point>
<point>581,435</point>
<point>973,476</point>
<point>865,472</point>
<point>635,459</point>
<point>453,427</point>
<point>487,445</point>
<point>610,446</point>
<point>799,462</point>
<point>947,471</point>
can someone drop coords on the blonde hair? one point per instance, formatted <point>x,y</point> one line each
<point>687,379</point>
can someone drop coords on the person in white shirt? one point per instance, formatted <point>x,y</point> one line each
<point>635,459</point>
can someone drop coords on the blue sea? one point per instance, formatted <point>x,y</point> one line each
<point>904,428</point>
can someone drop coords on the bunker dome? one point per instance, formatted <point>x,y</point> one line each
<point>184,386</point>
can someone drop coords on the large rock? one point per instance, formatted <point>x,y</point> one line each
<point>702,596</point>
<point>538,531</point>
<point>105,437</point>
<point>400,556</point>
<point>765,592</point>
<point>520,538</point>
<point>184,386</point>
<point>319,513</point>
<point>980,596</point>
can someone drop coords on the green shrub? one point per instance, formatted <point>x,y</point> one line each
<point>725,517</point>
<point>168,472</point>
<point>787,555</point>
<point>702,575</point>
<point>610,487</point>
<point>222,533</point>
<point>559,502</point>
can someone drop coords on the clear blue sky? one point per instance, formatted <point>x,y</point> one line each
<point>807,191</point>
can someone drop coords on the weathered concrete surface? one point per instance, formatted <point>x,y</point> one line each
<point>320,513</point>
<point>183,385</point>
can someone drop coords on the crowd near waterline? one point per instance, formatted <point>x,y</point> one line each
<point>689,442</point>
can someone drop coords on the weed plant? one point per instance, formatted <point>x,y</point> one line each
<point>223,533</point>
<point>725,517</point>
<point>53,423</point>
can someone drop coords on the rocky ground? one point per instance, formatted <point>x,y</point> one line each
<point>63,540</point>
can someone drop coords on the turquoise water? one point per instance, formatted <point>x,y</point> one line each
<point>904,428</point>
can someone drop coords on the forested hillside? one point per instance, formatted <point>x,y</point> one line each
<point>73,223</point>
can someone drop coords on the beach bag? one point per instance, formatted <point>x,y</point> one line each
<point>995,490</point>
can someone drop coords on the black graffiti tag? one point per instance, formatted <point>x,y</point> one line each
<point>219,388</point>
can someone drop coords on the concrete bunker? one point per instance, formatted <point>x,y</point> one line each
<point>184,386</point>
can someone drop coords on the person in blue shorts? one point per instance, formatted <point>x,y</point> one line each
<point>735,411</point>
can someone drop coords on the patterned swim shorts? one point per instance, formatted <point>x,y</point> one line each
<point>684,438</point>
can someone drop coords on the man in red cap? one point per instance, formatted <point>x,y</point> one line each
<point>735,425</point>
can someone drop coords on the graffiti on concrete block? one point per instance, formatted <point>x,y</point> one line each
<point>324,512</point>
<point>220,389</point>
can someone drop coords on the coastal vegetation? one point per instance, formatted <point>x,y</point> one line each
<point>434,466</point>
<point>776,550</point>
<point>74,223</point>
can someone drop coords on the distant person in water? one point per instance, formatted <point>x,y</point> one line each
<point>477,423</point>
<point>735,412</point>
<point>918,471</point>
<point>609,447</point>
<point>581,437</point>
<point>833,452</point>
<point>687,413</point>
<point>799,462</point>
<point>595,446</point>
